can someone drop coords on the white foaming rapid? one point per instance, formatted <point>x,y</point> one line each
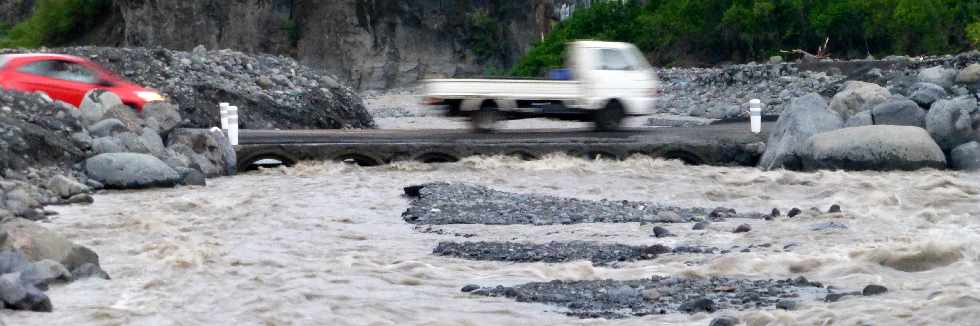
<point>324,244</point>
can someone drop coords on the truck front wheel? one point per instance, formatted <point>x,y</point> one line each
<point>485,119</point>
<point>610,118</point>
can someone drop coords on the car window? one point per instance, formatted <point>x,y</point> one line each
<point>613,59</point>
<point>62,70</point>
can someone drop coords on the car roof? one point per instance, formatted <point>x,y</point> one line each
<point>7,58</point>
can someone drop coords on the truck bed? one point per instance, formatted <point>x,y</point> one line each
<point>510,88</point>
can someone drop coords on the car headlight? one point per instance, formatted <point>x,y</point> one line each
<point>150,96</point>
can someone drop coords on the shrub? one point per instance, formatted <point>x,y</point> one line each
<point>55,22</point>
<point>973,33</point>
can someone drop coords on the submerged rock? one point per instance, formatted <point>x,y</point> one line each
<point>873,289</point>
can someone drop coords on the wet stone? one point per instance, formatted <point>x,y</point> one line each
<point>701,225</point>
<point>873,289</point>
<point>743,228</point>
<point>724,321</point>
<point>470,288</point>
<point>775,212</point>
<point>834,209</point>
<point>786,304</point>
<point>445,203</point>
<point>698,305</point>
<point>657,295</point>
<point>661,232</point>
<point>793,212</point>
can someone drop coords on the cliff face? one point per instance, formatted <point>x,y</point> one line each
<point>372,44</point>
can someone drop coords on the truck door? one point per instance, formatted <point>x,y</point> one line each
<point>615,75</point>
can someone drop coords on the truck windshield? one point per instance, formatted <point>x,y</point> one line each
<point>621,59</point>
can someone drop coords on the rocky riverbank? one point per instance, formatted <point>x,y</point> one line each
<point>52,153</point>
<point>724,92</point>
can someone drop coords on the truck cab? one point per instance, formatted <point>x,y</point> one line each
<point>604,82</point>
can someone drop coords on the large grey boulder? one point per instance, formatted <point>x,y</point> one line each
<point>966,157</point>
<point>899,111</point>
<point>938,75</point>
<point>38,243</point>
<point>130,171</point>
<point>96,103</point>
<point>969,75</point>
<point>925,94</point>
<point>805,117</point>
<point>162,116</point>
<point>951,122</point>
<point>855,96</point>
<point>208,149</point>
<point>879,147</point>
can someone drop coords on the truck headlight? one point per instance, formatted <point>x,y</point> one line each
<point>150,96</point>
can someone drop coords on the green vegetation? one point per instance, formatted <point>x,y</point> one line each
<point>691,32</point>
<point>973,33</point>
<point>55,22</point>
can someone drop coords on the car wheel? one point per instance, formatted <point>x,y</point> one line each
<point>610,118</point>
<point>485,119</point>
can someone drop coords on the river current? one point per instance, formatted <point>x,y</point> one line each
<point>324,244</point>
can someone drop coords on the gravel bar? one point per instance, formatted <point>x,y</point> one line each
<point>454,203</point>
<point>660,295</point>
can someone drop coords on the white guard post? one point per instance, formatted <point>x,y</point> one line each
<point>223,108</point>
<point>233,125</point>
<point>755,111</point>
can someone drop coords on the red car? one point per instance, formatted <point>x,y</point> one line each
<point>68,78</point>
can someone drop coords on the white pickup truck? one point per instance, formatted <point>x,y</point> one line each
<point>608,81</point>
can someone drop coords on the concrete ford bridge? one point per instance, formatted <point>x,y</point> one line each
<point>722,144</point>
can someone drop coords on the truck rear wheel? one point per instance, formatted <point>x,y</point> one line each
<point>485,119</point>
<point>610,118</point>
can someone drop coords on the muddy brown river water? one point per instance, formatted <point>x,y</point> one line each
<point>324,244</point>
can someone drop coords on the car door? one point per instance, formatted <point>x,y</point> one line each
<point>61,80</point>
